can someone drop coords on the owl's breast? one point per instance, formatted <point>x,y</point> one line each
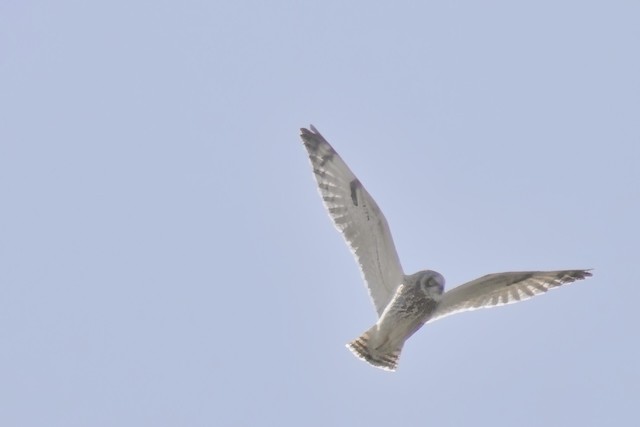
<point>407,311</point>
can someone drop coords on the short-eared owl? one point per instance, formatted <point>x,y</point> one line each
<point>404,303</point>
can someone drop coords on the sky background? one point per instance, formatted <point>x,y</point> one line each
<point>165,259</point>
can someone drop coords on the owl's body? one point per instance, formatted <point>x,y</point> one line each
<point>410,308</point>
<point>404,303</point>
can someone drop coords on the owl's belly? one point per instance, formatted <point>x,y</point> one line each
<point>406,313</point>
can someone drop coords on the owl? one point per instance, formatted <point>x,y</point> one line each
<point>404,303</point>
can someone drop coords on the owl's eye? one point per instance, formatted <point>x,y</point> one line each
<point>426,281</point>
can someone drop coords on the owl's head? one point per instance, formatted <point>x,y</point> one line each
<point>430,282</point>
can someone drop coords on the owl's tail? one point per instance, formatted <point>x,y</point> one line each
<point>379,357</point>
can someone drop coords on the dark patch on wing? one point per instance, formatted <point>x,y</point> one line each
<point>320,172</point>
<point>326,158</point>
<point>354,185</point>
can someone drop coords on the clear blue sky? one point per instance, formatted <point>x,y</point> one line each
<point>165,259</point>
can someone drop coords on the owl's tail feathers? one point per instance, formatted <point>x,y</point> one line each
<point>383,359</point>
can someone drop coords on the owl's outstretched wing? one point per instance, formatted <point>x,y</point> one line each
<point>503,288</point>
<point>357,216</point>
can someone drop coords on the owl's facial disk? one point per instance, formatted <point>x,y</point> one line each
<point>431,282</point>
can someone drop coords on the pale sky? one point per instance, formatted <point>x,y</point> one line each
<point>165,259</point>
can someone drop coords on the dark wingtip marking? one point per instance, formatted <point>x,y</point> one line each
<point>304,131</point>
<point>317,145</point>
<point>577,275</point>
<point>311,136</point>
<point>567,276</point>
<point>354,185</point>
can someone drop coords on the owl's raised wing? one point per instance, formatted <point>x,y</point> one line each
<point>357,216</point>
<point>503,288</point>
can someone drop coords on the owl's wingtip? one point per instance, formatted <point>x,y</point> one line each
<point>581,274</point>
<point>311,130</point>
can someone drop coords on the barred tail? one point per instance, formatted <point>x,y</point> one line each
<point>385,359</point>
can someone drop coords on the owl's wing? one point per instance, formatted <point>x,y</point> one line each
<point>357,216</point>
<point>503,288</point>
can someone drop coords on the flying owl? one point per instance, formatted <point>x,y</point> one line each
<point>404,303</point>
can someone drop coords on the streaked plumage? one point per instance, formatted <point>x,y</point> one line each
<point>404,302</point>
